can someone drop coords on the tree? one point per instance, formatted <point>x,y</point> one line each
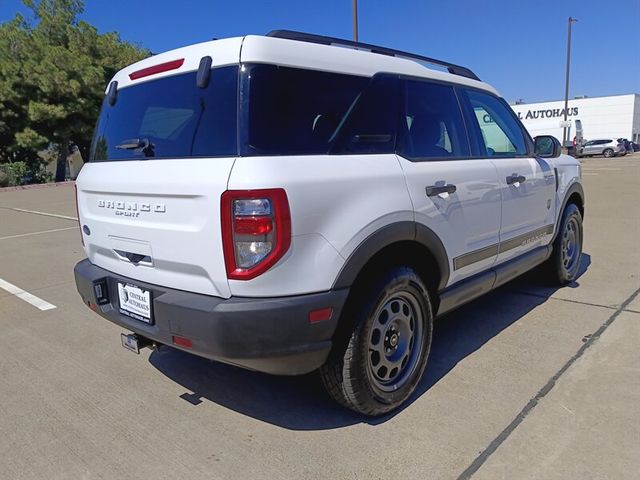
<point>53,73</point>
<point>13,115</point>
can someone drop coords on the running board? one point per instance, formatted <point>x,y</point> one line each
<point>469,289</point>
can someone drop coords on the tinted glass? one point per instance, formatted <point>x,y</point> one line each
<point>501,133</point>
<point>289,111</point>
<point>170,118</point>
<point>431,125</point>
<point>370,126</point>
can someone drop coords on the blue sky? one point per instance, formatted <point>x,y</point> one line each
<point>518,46</point>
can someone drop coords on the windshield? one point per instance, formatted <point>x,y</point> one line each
<point>170,118</point>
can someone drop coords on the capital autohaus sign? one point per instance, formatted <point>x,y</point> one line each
<point>547,113</point>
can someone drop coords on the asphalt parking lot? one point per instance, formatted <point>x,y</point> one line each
<point>527,382</point>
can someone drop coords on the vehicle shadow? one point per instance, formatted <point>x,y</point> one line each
<point>300,403</point>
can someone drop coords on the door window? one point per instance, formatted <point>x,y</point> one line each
<point>370,126</point>
<point>502,135</point>
<point>431,125</point>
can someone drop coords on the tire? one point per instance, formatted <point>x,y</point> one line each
<point>564,263</point>
<point>608,153</point>
<point>388,348</point>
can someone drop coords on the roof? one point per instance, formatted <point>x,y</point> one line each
<point>324,40</point>
<point>297,53</point>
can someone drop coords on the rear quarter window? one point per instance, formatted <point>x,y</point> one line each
<point>292,111</point>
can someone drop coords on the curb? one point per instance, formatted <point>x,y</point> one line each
<point>36,186</point>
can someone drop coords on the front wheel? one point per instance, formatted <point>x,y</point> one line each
<point>564,263</point>
<point>388,349</point>
<point>608,153</point>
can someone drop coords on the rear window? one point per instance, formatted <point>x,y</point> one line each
<point>292,111</point>
<point>170,118</point>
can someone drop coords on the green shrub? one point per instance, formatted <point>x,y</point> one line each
<point>14,173</point>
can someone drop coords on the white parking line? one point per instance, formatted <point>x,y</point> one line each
<point>26,296</point>
<point>44,213</point>
<point>37,233</point>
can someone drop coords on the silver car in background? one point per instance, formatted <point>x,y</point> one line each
<point>602,146</point>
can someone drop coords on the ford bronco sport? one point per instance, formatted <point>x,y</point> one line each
<point>292,202</point>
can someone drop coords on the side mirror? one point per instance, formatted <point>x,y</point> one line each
<point>546,146</point>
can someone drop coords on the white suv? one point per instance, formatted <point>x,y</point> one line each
<point>294,202</point>
<point>605,146</point>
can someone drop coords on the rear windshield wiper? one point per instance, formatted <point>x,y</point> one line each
<point>138,145</point>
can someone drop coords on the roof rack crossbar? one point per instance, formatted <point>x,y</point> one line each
<point>323,40</point>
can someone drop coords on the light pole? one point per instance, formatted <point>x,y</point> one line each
<point>355,20</point>
<point>565,133</point>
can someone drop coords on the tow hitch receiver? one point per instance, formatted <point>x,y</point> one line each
<point>133,342</point>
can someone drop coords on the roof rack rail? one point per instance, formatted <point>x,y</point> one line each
<point>323,40</point>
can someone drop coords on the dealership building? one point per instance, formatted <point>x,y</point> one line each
<point>616,116</point>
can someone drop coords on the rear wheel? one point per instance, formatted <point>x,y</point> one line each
<point>564,263</point>
<point>608,153</point>
<point>387,351</point>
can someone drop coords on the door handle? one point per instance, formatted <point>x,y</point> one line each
<point>515,178</point>
<point>433,190</point>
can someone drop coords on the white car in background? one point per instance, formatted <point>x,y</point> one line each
<point>602,146</point>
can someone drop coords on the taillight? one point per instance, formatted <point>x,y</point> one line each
<point>78,215</point>
<point>256,230</point>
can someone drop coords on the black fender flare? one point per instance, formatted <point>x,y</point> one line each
<point>575,187</point>
<point>388,235</point>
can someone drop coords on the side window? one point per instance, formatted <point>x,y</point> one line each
<point>292,111</point>
<point>501,134</point>
<point>370,126</point>
<point>431,125</point>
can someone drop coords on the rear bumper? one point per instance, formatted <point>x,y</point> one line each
<point>271,335</point>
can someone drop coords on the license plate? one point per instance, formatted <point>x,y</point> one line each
<point>135,302</point>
